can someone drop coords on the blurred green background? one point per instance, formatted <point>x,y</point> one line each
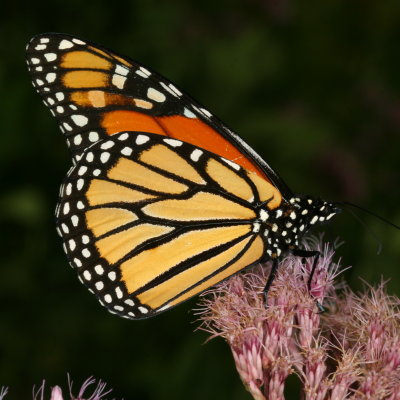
<point>313,86</point>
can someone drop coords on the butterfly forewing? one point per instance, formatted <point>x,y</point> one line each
<point>94,93</point>
<point>149,221</point>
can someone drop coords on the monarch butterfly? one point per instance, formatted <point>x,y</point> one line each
<point>162,200</point>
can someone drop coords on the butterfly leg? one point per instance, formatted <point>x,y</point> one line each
<point>307,254</point>
<point>270,279</point>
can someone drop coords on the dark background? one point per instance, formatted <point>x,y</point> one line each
<point>313,86</point>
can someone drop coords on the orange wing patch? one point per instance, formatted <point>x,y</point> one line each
<point>190,130</point>
<point>119,121</point>
<point>85,79</point>
<point>83,59</point>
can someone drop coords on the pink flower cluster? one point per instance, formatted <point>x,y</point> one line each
<point>350,351</point>
<point>56,393</point>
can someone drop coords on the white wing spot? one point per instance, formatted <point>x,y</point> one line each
<point>143,310</point>
<point>104,157</point>
<point>168,89</point>
<point>35,60</point>
<point>146,71</point>
<point>175,90</point>
<point>143,72</point>
<point>173,142</point>
<point>96,172</point>
<point>50,56</point>
<point>118,81</point>
<point>187,113</point>
<point>107,298</point>
<point>155,95</point>
<point>129,302</point>
<point>68,189</point>
<point>77,262</point>
<point>40,47</point>
<point>124,136</point>
<point>263,215</point>
<point>39,82</point>
<point>77,41</point>
<point>66,208</point>
<point>107,145</point>
<point>51,77</point>
<point>126,151</point>
<point>75,220</point>
<point>65,44</point>
<point>82,170</point>
<point>72,244</point>
<point>60,96</point>
<point>112,275</point>
<point>86,253</point>
<point>79,120</point>
<point>78,140</point>
<point>44,40</point>
<point>79,184</point>
<point>256,227</point>
<point>195,155</point>
<point>99,269</point>
<point>85,239</point>
<point>99,285</point>
<point>80,205</point>
<point>231,163</point>
<point>119,69</point>
<point>142,139</point>
<point>119,293</point>
<point>87,275</point>
<point>89,157</point>
<point>67,126</point>
<point>206,112</point>
<point>60,109</point>
<point>93,136</point>
<point>64,228</point>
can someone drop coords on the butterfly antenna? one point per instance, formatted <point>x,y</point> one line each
<point>373,214</point>
<point>373,235</point>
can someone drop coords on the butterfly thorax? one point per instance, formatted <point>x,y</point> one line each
<point>283,227</point>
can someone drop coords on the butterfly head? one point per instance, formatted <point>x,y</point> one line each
<point>307,211</point>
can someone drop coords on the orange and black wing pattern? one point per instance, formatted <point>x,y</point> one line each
<point>149,221</point>
<point>94,93</point>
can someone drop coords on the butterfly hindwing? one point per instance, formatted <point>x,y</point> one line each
<point>149,221</point>
<point>94,93</point>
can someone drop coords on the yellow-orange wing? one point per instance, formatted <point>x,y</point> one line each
<point>94,93</point>
<point>149,221</point>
